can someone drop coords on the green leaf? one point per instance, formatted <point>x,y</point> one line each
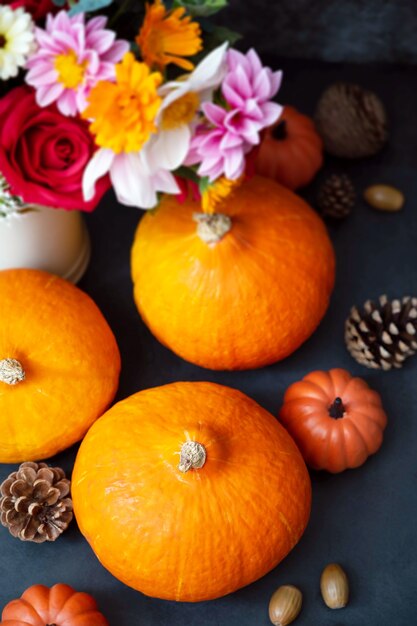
<point>189,173</point>
<point>59,3</point>
<point>204,184</point>
<point>222,33</point>
<point>201,8</point>
<point>88,6</point>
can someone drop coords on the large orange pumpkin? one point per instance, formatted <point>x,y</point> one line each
<point>336,420</point>
<point>190,491</point>
<point>291,151</point>
<point>235,290</point>
<point>59,365</point>
<point>58,606</point>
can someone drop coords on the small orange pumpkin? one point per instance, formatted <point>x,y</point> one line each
<point>58,606</point>
<point>336,420</point>
<point>291,151</point>
<point>190,491</point>
<point>238,289</point>
<point>59,365</point>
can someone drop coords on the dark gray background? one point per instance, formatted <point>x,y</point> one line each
<point>366,518</point>
<point>331,30</point>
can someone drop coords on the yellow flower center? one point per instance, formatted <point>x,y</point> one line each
<point>182,111</point>
<point>124,112</point>
<point>70,72</point>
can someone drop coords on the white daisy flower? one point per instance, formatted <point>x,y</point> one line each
<point>178,115</point>
<point>17,40</point>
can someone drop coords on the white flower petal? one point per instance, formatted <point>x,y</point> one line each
<point>172,92</point>
<point>211,71</point>
<point>131,181</point>
<point>97,167</point>
<point>165,182</point>
<point>167,150</point>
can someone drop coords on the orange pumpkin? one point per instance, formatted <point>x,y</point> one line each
<point>336,420</point>
<point>291,151</point>
<point>58,606</point>
<point>190,491</point>
<point>235,290</point>
<point>59,365</point>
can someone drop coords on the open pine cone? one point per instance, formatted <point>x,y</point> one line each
<point>35,503</point>
<point>383,334</point>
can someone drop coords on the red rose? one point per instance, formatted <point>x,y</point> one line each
<point>43,154</point>
<point>38,8</point>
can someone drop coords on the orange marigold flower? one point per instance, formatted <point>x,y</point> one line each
<point>167,36</point>
<point>216,193</point>
<point>123,113</point>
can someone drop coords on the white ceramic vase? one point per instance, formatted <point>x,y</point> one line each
<point>53,240</point>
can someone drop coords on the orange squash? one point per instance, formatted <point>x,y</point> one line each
<point>235,290</point>
<point>190,491</point>
<point>59,365</point>
<point>58,606</point>
<point>337,421</point>
<point>291,151</point>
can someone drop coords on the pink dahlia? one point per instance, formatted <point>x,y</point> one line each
<point>248,89</point>
<point>232,131</point>
<point>219,150</point>
<point>73,55</point>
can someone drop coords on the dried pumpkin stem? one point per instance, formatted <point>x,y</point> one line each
<point>280,131</point>
<point>212,228</point>
<point>192,456</point>
<point>11,371</point>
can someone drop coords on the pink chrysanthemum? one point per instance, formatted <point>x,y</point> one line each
<point>73,55</point>
<point>248,87</point>
<point>219,150</point>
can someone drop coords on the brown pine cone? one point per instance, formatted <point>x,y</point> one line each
<point>381,335</point>
<point>35,503</point>
<point>336,196</point>
<point>351,121</point>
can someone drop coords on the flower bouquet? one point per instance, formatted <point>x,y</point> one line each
<point>156,111</point>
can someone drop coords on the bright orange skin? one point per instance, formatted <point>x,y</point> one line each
<point>329,443</point>
<point>247,301</point>
<point>60,605</point>
<point>294,160</point>
<point>197,535</point>
<point>70,357</point>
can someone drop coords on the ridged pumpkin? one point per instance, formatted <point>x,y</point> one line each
<point>336,420</point>
<point>190,491</point>
<point>235,290</point>
<point>58,606</point>
<point>291,151</point>
<point>59,365</point>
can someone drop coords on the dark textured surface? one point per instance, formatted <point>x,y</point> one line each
<point>342,30</point>
<point>365,518</point>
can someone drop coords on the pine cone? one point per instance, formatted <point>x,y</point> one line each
<point>34,502</point>
<point>351,121</point>
<point>383,334</point>
<point>336,196</point>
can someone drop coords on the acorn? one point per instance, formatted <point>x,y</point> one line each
<point>334,586</point>
<point>285,605</point>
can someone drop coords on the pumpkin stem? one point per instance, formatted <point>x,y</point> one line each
<point>192,456</point>
<point>11,371</point>
<point>212,228</point>
<point>337,410</point>
<point>279,132</point>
